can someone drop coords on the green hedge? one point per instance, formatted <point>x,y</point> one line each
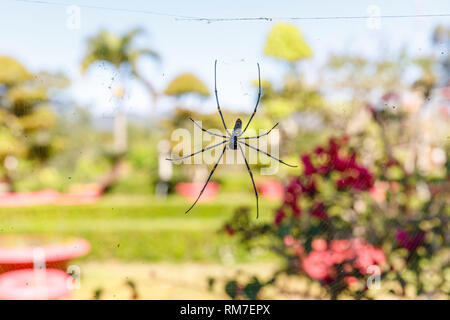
<point>141,228</point>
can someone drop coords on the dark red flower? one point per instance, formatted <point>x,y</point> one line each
<point>309,168</point>
<point>290,198</point>
<point>319,150</point>
<point>364,180</point>
<point>296,210</point>
<point>309,187</point>
<point>408,241</point>
<point>356,177</point>
<point>341,164</point>
<point>279,217</point>
<point>319,211</point>
<point>333,147</point>
<point>229,230</point>
<point>324,169</point>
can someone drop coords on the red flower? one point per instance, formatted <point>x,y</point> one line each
<point>279,217</point>
<point>229,230</point>
<point>356,177</point>
<point>319,150</point>
<point>296,210</point>
<point>294,186</point>
<point>364,180</point>
<point>319,211</point>
<point>309,187</point>
<point>309,168</point>
<point>410,242</point>
<point>341,164</point>
<point>334,148</point>
<point>290,198</point>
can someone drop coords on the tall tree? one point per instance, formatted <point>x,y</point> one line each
<point>27,118</point>
<point>123,54</point>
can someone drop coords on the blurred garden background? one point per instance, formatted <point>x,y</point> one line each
<point>91,93</point>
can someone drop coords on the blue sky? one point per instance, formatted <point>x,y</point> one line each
<point>37,35</point>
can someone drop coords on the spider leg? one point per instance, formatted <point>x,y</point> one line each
<point>281,161</point>
<point>207,181</point>
<point>204,130</point>
<point>197,152</point>
<point>217,97</point>
<point>257,137</point>
<point>253,181</point>
<point>257,100</point>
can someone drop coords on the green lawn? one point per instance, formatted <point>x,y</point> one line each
<point>143,228</point>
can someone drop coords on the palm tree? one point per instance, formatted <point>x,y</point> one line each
<point>121,53</point>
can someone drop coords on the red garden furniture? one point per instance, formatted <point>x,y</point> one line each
<point>18,251</point>
<point>191,190</point>
<point>32,284</point>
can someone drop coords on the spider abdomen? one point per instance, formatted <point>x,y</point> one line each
<point>233,142</point>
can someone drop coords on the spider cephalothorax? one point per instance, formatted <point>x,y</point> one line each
<point>233,140</point>
<point>235,134</point>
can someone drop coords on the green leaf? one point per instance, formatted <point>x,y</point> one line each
<point>253,288</point>
<point>231,288</point>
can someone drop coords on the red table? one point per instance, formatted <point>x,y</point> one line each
<point>17,251</point>
<point>30,284</point>
<point>191,190</point>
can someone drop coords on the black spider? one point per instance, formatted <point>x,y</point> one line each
<point>233,140</point>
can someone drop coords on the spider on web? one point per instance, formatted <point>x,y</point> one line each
<point>233,140</point>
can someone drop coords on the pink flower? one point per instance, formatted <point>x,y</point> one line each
<point>315,265</point>
<point>319,244</point>
<point>378,191</point>
<point>350,280</point>
<point>288,240</point>
<point>321,263</point>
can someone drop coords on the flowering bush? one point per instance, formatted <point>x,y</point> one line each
<point>346,258</point>
<point>341,226</point>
